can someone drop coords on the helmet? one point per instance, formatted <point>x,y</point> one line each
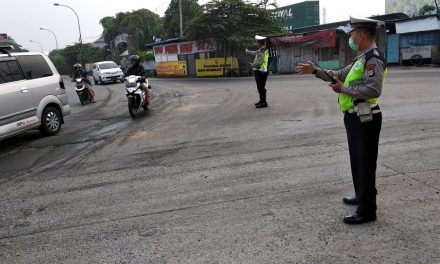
<point>135,58</point>
<point>77,66</point>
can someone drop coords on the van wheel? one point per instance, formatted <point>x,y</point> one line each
<point>50,121</point>
<point>94,80</point>
<point>100,80</point>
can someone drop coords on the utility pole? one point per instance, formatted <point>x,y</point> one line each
<point>181,19</point>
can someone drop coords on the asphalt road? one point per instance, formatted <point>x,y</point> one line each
<point>204,177</point>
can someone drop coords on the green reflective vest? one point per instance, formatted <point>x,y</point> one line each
<point>263,66</point>
<point>355,77</point>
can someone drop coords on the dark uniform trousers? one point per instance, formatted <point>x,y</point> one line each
<point>363,142</point>
<point>261,78</point>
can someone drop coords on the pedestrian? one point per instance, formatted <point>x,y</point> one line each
<point>259,67</point>
<point>359,85</point>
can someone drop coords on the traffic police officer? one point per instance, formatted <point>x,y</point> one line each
<point>259,66</point>
<point>359,85</point>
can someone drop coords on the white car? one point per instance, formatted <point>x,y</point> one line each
<point>107,71</point>
<point>32,94</point>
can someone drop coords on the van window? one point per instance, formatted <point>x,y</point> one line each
<point>10,72</point>
<point>34,66</point>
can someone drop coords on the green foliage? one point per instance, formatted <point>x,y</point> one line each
<point>427,10</point>
<point>145,55</point>
<point>190,9</point>
<point>142,24</point>
<point>234,23</point>
<point>70,55</point>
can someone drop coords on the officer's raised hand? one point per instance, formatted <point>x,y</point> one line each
<point>308,67</point>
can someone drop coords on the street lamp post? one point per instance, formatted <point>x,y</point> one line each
<point>56,41</point>
<point>79,28</point>
<point>41,46</point>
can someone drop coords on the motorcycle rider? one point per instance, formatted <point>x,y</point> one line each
<point>138,70</point>
<point>79,73</point>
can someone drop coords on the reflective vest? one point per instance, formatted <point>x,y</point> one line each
<point>355,77</point>
<point>263,66</point>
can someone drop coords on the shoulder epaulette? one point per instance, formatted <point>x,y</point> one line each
<point>375,53</point>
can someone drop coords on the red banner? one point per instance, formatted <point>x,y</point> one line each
<point>324,39</point>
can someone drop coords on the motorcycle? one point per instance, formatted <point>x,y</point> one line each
<point>136,96</point>
<point>83,95</point>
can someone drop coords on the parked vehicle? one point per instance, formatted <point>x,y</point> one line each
<point>32,94</point>
<point>136,96</point>
<point>81,91</point>
<point>107,71</point>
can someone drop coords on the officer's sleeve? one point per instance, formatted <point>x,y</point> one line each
<point>250,52</point>
<point>372,81</point>
<point>340,74</point>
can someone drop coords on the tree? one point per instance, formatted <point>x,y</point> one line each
<point>267,3</point>
<point>427,10</point>
<point>190,9</point>
<point>69,56</point>
<point>233,23</point>
<point>141,24</point>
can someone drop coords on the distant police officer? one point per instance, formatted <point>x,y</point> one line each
<point>359,85</point>
<point>259,66</point>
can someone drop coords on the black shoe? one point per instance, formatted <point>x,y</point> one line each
<point>350,200</point>
<point>262,105</point>
<point>356,219</point>
<point>259,102</point>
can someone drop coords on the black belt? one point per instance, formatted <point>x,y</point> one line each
<point>375,108</point>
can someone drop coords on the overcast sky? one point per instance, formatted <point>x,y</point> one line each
<point>22,19</point>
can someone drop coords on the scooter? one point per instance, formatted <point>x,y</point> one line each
<point>136,96</point>
<point>81,91</point>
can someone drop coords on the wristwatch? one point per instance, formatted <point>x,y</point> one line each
<point>315,71</point>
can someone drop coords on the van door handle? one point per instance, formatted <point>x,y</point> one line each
<point>24,90</point>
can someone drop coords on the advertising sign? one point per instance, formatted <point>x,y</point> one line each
<point>185,47</point>
<point>4,38</point>
<point>172,68</point>
<point>214,66</point>
<point>299,15</point>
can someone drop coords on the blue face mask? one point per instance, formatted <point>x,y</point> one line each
<point>352,45</point>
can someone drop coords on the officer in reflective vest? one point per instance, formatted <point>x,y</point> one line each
<point>359,85</point>
<point>259,66</point>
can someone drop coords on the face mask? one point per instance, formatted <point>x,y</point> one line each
<point>352,45</point>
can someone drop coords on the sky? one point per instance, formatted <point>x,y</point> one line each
<point>24,18</point>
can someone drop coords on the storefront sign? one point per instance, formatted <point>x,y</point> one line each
<point>324,39</point>
<point>172,68</point>
<point>214,67</point>
<point>185,47</point>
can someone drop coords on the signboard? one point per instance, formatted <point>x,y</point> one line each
<point>185,47</point>
<point>324,39</point>
<point>172,68</point>
<point>299,15</point>
<point>424,51</point>
<point>214,66</point>
<point>4,38</point>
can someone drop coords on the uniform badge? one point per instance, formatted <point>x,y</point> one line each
<point>370,70</point>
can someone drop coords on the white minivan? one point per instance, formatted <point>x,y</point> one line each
<point>32,94</point>
<point>107,71</point>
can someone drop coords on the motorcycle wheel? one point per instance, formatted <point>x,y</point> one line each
<point>132,109</point>
<point>82,99</point>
